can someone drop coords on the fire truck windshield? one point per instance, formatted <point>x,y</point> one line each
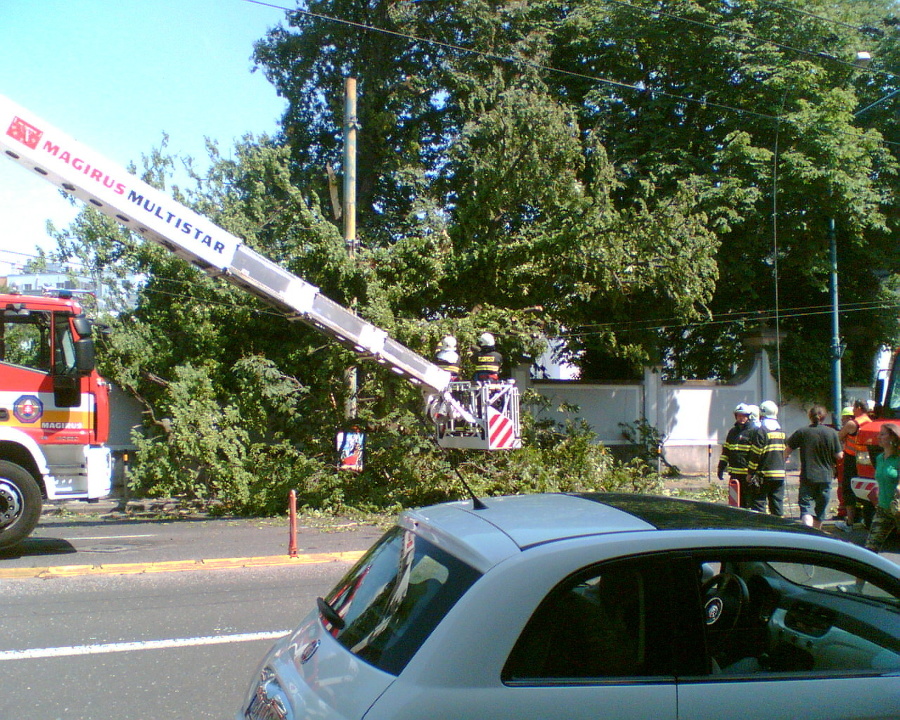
<point>891,406</point>
<point>26,340</point>
<point>64,346</point>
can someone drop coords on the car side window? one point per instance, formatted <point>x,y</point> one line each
<point>806,615</point>
<point>600,624</point>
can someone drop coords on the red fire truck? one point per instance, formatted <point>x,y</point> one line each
<point>54,411</point>
<point>887,409</point>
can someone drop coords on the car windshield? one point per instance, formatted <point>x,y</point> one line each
<point>833,580</point>
<point>394,597</point>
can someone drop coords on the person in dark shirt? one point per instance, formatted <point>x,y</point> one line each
<point>820,450</point>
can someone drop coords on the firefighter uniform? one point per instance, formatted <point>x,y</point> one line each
<point>447,357</point>
<point>765,468</point>
<point>487,360</point>
<point>736,451</point>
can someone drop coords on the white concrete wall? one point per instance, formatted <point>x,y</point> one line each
<point>693,416</point>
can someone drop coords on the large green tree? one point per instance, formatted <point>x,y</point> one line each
<point>631,168</point>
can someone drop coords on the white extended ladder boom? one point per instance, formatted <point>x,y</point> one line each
<point>67,163</point>
<point>80,171</point>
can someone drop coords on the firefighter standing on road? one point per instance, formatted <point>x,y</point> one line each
<point>765,468</point>
<point>736,451</point>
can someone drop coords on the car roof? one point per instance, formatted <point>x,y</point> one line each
<point>497,527</point>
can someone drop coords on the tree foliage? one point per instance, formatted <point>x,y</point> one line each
<point>634,169</point>
<point>649,180</point>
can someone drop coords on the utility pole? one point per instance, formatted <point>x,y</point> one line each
<point>349,212</point>
<point>351,125</point>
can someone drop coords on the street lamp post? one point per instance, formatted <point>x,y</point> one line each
<point>837,350</point>
<point>863,59</point>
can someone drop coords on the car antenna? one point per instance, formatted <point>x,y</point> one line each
<point>477,503</point>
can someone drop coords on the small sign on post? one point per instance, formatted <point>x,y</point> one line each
<point>351,445</point>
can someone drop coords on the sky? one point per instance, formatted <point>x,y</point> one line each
<point>116,75</point>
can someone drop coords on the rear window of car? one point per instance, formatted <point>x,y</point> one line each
<point>395,596</point>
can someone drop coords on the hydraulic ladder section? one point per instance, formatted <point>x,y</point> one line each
<point>77,169</point>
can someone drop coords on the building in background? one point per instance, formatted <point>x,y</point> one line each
<point>54,277</point>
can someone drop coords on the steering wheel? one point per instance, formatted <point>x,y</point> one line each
<point>725,597</point>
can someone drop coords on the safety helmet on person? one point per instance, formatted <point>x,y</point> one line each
<point>768,409</point>
<point>448,342</point>
<point>486,340</point>
<point>742,409</point>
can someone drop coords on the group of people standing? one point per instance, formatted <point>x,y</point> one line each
<point>754,455</point>
<point>756,451</point>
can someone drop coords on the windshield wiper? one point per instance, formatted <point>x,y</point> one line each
<point>330,614</point>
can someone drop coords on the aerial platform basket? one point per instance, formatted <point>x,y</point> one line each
<point>479,416</point>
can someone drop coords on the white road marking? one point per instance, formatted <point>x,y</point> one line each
<point>113,537</point>
<point>35,653</point>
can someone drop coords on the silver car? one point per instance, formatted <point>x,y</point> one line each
<point>594,606</point>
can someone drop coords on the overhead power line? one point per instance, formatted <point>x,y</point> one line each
<point>659,325</point>
<point>639,88</point>
<point>588,330</point>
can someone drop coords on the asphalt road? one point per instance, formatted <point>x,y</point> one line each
<point>146,647</point>
<point>151,620</point>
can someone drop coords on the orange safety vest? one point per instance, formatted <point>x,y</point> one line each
<point>860,447</point>
<point>852,445</point>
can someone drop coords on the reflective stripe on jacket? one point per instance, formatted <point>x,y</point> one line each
<point>736,450</point>
<point>767,451</point>
<point>858,446</point>
<point>488,362</point>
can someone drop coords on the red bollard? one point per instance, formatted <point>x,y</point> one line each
<point>292,511</point>
<point>734,493</point>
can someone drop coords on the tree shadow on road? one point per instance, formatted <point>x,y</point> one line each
<point>35,546</point>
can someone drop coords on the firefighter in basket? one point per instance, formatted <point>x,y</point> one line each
<point>487,360</point>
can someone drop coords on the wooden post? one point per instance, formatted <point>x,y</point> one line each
<point>292,511</point>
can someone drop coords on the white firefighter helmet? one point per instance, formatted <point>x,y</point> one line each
<point>448,342</point>
<point>754,413</point>
<point>486,340</point>
<point>768,409</point>
<point>742,409</point>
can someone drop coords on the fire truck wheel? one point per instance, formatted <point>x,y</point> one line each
<point>20,503</point>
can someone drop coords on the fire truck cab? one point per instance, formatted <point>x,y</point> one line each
<point>54,411</point>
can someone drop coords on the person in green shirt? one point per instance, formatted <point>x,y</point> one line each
<point>887,475</point>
